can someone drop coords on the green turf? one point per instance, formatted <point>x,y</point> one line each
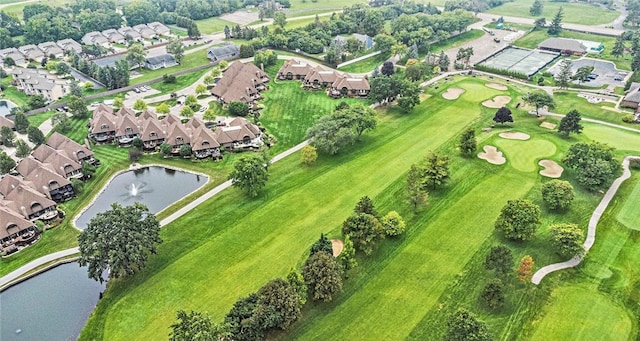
<point>579,314</point>
<point>628,214</point>
<point>189,61</point>
<point>532,39</point>
<point>567,101</point>
<point>365,65</point>
<point>619,139</point>
<point>213,25</point>
<point>576,13</point>
<point>524,155</point>
<point>456,41</point>
<point>181,82</point>
<point>306,7</point>
<point>37,119</point>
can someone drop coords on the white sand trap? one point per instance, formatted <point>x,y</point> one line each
<point>551,169</point>
<point>513,135</point>
<point>453,93</point>
<point>548,125</point>
<point>492,155</point>
<point>497,102</point>
<point>496,86</point>
<point>337,246</point>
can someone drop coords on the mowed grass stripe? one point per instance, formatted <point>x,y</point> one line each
<point>394,301</point>
<point>267,241</point>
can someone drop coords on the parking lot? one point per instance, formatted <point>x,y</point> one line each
<point>606,72</point>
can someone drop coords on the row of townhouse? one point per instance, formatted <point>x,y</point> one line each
<point>24,54</point>
<point>119,36</point>
<point>39,183</point>
<point>317,77</point>
<point>40,82</point>
<point>123,126</point>
<point>241,83</point>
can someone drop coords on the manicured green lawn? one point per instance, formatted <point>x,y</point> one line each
<point>532,39</point>
<point>306,7</point>
<point>13,94</point>
<point>290,110</point>
<point>576,13</point>
<point>567,101</point>
<point>577,313</point>
<point>213,25</point>
<point>620,139</point>
<point>456,41</point>
<point>38,119</point>
<point>18,8</point>
<point>181,82</point>
<point>365,65</point>
<point>524,155</point>
<point>189,61</point>
<point>628,214</point>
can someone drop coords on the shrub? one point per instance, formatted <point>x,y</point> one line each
<point>557,194</point>
<point>629,118</point>
<point>567,239</point>
<point>393,224</point>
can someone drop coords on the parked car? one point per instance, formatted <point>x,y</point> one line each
<point>136,90</point>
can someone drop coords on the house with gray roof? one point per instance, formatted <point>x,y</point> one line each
<point>224,52</point>
<point>114,36</point>
<point>159,28</point>
<point>32,52</point>
<point>632,98</point>
<point>13,53</point>
<point>128,31</point>
<point>564,46</point>
<point>95,38</point>
<point>159,62</point>
<point>69,45</point>
<point>145,32</point>
<point>50,48</point>
<point>40,82</point>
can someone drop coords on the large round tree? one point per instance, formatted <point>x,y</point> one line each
<point>120,240</point>
<point>519,219</point>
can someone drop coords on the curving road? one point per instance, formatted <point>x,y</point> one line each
<point>593,223</point>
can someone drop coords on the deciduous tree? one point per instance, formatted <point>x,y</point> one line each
<point>570,123</point>
<point>78,107</point>
<point>465,326</point>
<point>499,259</point>
<point>196,326</point>
<point>557,194</point>
<point>136,55</point>
<point>388,68</point>
<point>7,136</point>
<point>176,48</point>
<point>323,276</point>
<point>436,170</point>
<point>309,155</point>
<point>35,136</point>
<point>468,144</point>
<point>20,120</point>
<point>519,219</point>
<point>186,112</point>
<point>503,115</point>
<point>564,75</point>
<point>6,163</point>
<point>250,174</point>
<point>525,269</point>
<point>539,99</point>
<point>139,105</point>
<point>347,257</point>
<point>238,109</point>
<point>416,193</point>
<point>120,240</point>
<point>594,164</point>
<point>364,230</point>
<point>536,9</point>
<point>567,239</point>
<point>393,224</point>
<point>22,148</point>
<point>163,108</point>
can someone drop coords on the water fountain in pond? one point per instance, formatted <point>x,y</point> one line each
<point>134,190</point>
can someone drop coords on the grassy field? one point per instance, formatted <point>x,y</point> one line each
<point>456,41</point>
<point>302,8</point>
<point>189,61</point>
<point>524,155</point>
<point>365,65</point>
<point>532,39</point>
<point>38,119</point>
<point>213,25</point>
<point>628,214</point>
<point>576,13</point>
<point>181,82</point>
<point>567,101</point>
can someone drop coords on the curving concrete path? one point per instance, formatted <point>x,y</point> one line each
<point>593,223</point>
<point>17,275</point>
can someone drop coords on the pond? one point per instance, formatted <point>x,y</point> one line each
<point>156,187</point>
<point>5,107</point>
<point>53,305</point>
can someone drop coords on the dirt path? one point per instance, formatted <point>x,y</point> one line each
<point>593,223</point>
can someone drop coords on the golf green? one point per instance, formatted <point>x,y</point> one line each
<point>524,155</point>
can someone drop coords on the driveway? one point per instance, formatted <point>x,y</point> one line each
<point>606,71</point>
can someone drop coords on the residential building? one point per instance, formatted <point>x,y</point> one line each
<point>5,122</point>
<point>366,40</point>
<point>40,82</point>
<point>127,129</point>
<point>350,86</point>
<point>15,231</point>
<point>204,143</point>
<point>69,45</point>
<point>632,98</point>
<point>128,31</point>
<point>32,53</point>
<point>95,38</point>
<point>153,134</point>
<point>564,46</point>
<point>320,77</point>
<point>50,48</point>
<point>239,134</point>
<point>13,53</point>
<point>22,198</point>
<point>240,83</point>
<point>294,69</point>
<point>159,28</point>
<point>58,162</point>
<point>159,62</point>
<point>71,149</point>
<point>145,32</point>
<point>45,180</point>
<point>224,52</point>
<point>114,37</point>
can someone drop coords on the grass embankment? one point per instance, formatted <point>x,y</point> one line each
<point>302,8</point>
<point>12,93</point>
<point>189,61</point>
<point>37,119</point>
<point>567,101</point>
<point>576,13</point>
<point>181,83</point>
<point>366,65</point>
<point>456,41</point>
<point>532,39</point>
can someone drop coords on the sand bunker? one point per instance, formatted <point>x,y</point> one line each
<point>492,155</point>
<point>337,246</point>
<point>548,125</point>
<point>512,135</point>
<point>453,93</point>
<point>551,169</point>
<point>496,86</point>
<point>497,102</point>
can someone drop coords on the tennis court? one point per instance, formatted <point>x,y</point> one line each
<point>520,60</point>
